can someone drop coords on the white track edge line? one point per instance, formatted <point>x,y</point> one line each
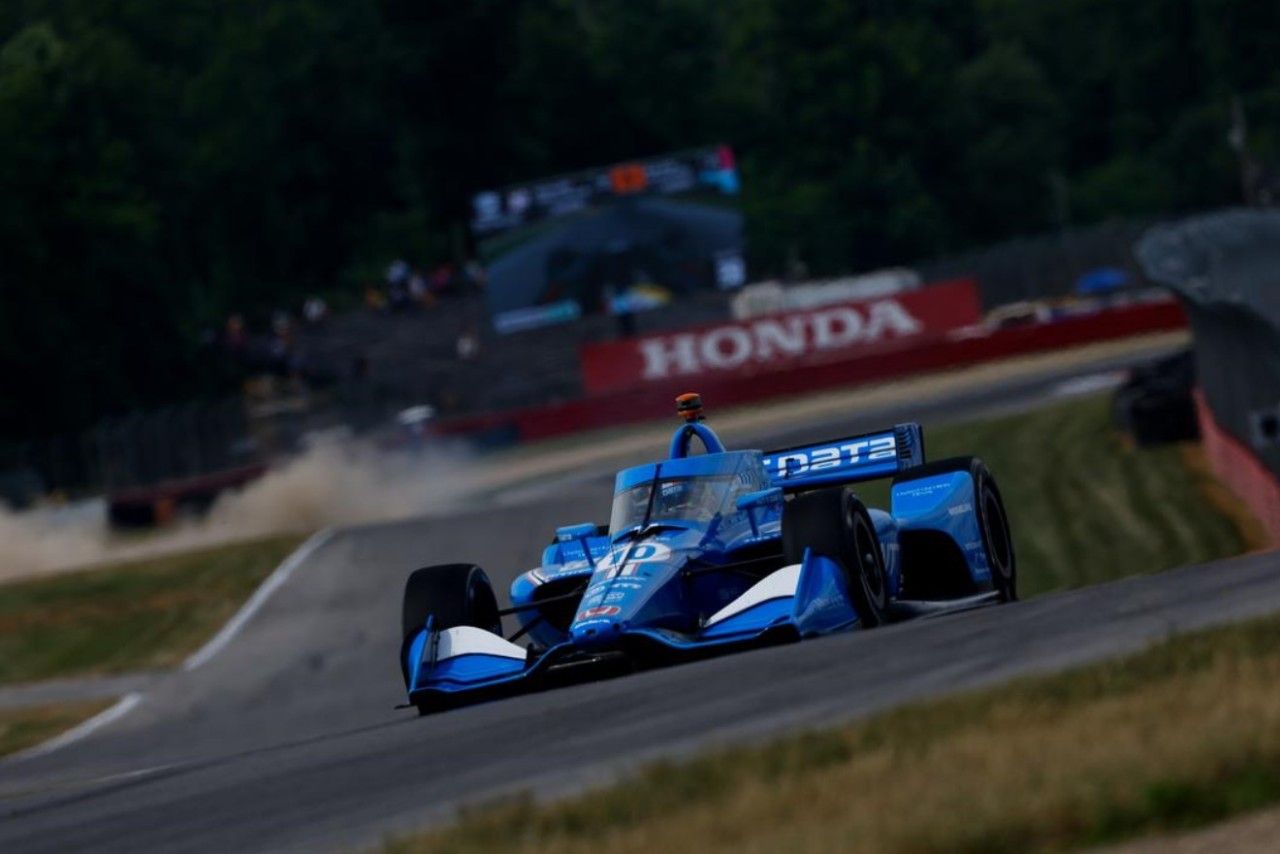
<point>121,708</point>
<point>259,598</point>
<point>129,701</point>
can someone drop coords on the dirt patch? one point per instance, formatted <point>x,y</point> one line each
<point>1258,833</point>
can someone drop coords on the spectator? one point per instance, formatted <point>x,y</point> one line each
<point>314,310</point>
<point>282,340</point>
<point>398,296</point>
<point>468,344</point>
<point>281,325</point>
<point>418,288</point>
<point>397,273</point>
<point>476,277</point>
<point>373,298</point>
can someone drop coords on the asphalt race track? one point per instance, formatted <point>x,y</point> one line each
<point>287,738</point>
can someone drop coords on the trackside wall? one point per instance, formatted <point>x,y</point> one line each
<point>1225,267</point>
<point>890,362</point>
<point>1241,470</point>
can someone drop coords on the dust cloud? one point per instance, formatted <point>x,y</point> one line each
<point>335,481</point>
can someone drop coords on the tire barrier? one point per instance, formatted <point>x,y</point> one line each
<point>1155,405</point>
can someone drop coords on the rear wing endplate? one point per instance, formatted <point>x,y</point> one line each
<point>851,460</point>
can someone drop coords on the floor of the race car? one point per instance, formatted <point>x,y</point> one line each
<point>910,609</point>
<point>582,666</point>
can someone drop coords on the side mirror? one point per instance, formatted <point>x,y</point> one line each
<point>753,500</point>
<point>756,499</point>
<point>569,533</point>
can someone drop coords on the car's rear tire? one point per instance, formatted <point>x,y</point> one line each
<point>835,523</point>
<point>997,538</point>
<point>993,519</point>
<point>455,594</point>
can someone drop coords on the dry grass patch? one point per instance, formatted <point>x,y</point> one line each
<point>1085,505</point>
<point>26,727</point>
<point>136,615</point>
<point>1178,736</point>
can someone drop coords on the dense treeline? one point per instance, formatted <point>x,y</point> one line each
<point>164,162</point>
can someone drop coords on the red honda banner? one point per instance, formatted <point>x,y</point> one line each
<point>764,343</point>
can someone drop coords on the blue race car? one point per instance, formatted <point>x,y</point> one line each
<point>717,551</point>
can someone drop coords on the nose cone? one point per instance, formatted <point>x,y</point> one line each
<point>597,626</point>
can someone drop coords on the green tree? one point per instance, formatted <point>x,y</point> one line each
<point>165,163</point>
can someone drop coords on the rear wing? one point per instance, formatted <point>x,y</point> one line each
<point>851,460</point>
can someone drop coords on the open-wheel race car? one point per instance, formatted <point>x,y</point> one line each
<point>716,551</point>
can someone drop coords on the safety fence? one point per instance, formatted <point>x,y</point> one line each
<point>1043,266</point>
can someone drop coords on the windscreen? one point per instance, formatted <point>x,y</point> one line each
<point>685,499</point>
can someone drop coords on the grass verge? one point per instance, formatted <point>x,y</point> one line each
<point>1181,735</point>
<point>26,727</point>
<point>1085,506</point>
<point>132,616</point>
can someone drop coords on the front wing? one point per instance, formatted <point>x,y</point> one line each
<point>798,601</point>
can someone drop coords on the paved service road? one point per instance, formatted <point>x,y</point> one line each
<point>287,738</point>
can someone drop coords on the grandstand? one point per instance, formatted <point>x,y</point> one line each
<point>414,355</point>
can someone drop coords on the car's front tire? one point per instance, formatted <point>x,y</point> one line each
<point>835,523</point>
<point>454,594</point>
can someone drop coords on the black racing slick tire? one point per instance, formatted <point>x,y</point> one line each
<point>456,594</point>
<point>835,523</point>
<point>997,538</point>
<point>993,519</point>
